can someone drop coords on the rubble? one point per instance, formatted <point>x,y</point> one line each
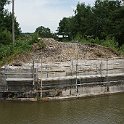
<point>56,51</point>
<point>65,51</point>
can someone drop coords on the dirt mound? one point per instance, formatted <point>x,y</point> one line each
<point>60,51</point>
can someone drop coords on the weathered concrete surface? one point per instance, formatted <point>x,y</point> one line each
<point>95,89</point>
<point>67,79</point>
<point>84,67</point>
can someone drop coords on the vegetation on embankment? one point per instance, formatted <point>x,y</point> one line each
<point>26,45</point>
<point>108,42</point>
<point>22,46</point>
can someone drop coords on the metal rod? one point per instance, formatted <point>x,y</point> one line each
<point>41,78</point>
<point>5,71</point>
<point>107,69</point>
<point>33,73</point>
<point>47,72</point>
<point>76,78</point>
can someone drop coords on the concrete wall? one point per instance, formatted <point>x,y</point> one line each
<point>2,81</point>
<point>93,90</point>
<point>94,77</point>
<point>85,87</point>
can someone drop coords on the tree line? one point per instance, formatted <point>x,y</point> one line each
<point>103,20</point>
<point>6,24</point>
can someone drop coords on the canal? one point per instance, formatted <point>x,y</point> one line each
<point>97,110</point>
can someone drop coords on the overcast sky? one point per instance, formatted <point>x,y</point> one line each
<point>34,13</point>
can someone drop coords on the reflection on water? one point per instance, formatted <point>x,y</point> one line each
<point>99,110</point>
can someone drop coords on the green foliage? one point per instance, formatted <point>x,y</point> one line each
<point>5,51</point>
<point>104,19</point>
<point>6,24</point>
<point>108,42</point>
<point>111,43</point>
<point>121,50</point>
<point>21,46</point>
<point>5,37</point>
<point>43,32</point>
<point>34,38</point>
<point>66,27</point>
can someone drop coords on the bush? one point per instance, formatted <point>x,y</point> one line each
<point>21,46</point>
<point>121,50</point>
<point>5,37</point>
<point>111,43</point>
<point>34,38</point>
<point>5,51</point>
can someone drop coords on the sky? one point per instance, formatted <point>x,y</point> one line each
<point>34,13</point>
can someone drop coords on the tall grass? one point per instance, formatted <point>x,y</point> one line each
<point>21,46</point>
<point>108,42</point>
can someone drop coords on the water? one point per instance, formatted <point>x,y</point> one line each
<point>99,110</point>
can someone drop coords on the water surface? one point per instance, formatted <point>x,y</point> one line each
<point>98,110</point>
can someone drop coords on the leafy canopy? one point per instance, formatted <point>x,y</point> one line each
<point>104,19</point>
<point>6,24</point>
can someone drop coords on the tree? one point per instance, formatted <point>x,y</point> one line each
<point>43,32</point>
<point>84,20</point>
<point>118,25</point>
<point>104,19</point>
<point>6,24</point>
<point>66,27</point>
<point>103,11</point>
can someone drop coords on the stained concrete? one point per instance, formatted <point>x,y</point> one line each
<point>66,79</point>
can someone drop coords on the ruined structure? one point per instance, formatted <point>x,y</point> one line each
<point>63,70</point>
<point>62,79</point>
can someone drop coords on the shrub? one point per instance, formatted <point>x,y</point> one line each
<point>5,37</point>
<point>121,50</point>
<point>5,51</point>
<point>111,43</point>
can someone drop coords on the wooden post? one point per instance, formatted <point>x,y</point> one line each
<point>13,23</point>
<point>77,67</point>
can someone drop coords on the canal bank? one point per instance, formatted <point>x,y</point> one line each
<point>64,80</point>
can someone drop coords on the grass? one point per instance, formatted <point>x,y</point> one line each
<point>24,46</point>
<point>108,42</point>
<point>21,46</point>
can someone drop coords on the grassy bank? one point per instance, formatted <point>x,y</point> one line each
<point>110,43</point>
<point>22,46</point>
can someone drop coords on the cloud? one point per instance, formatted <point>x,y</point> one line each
<point>90,2</point>
<point>34,13</point>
